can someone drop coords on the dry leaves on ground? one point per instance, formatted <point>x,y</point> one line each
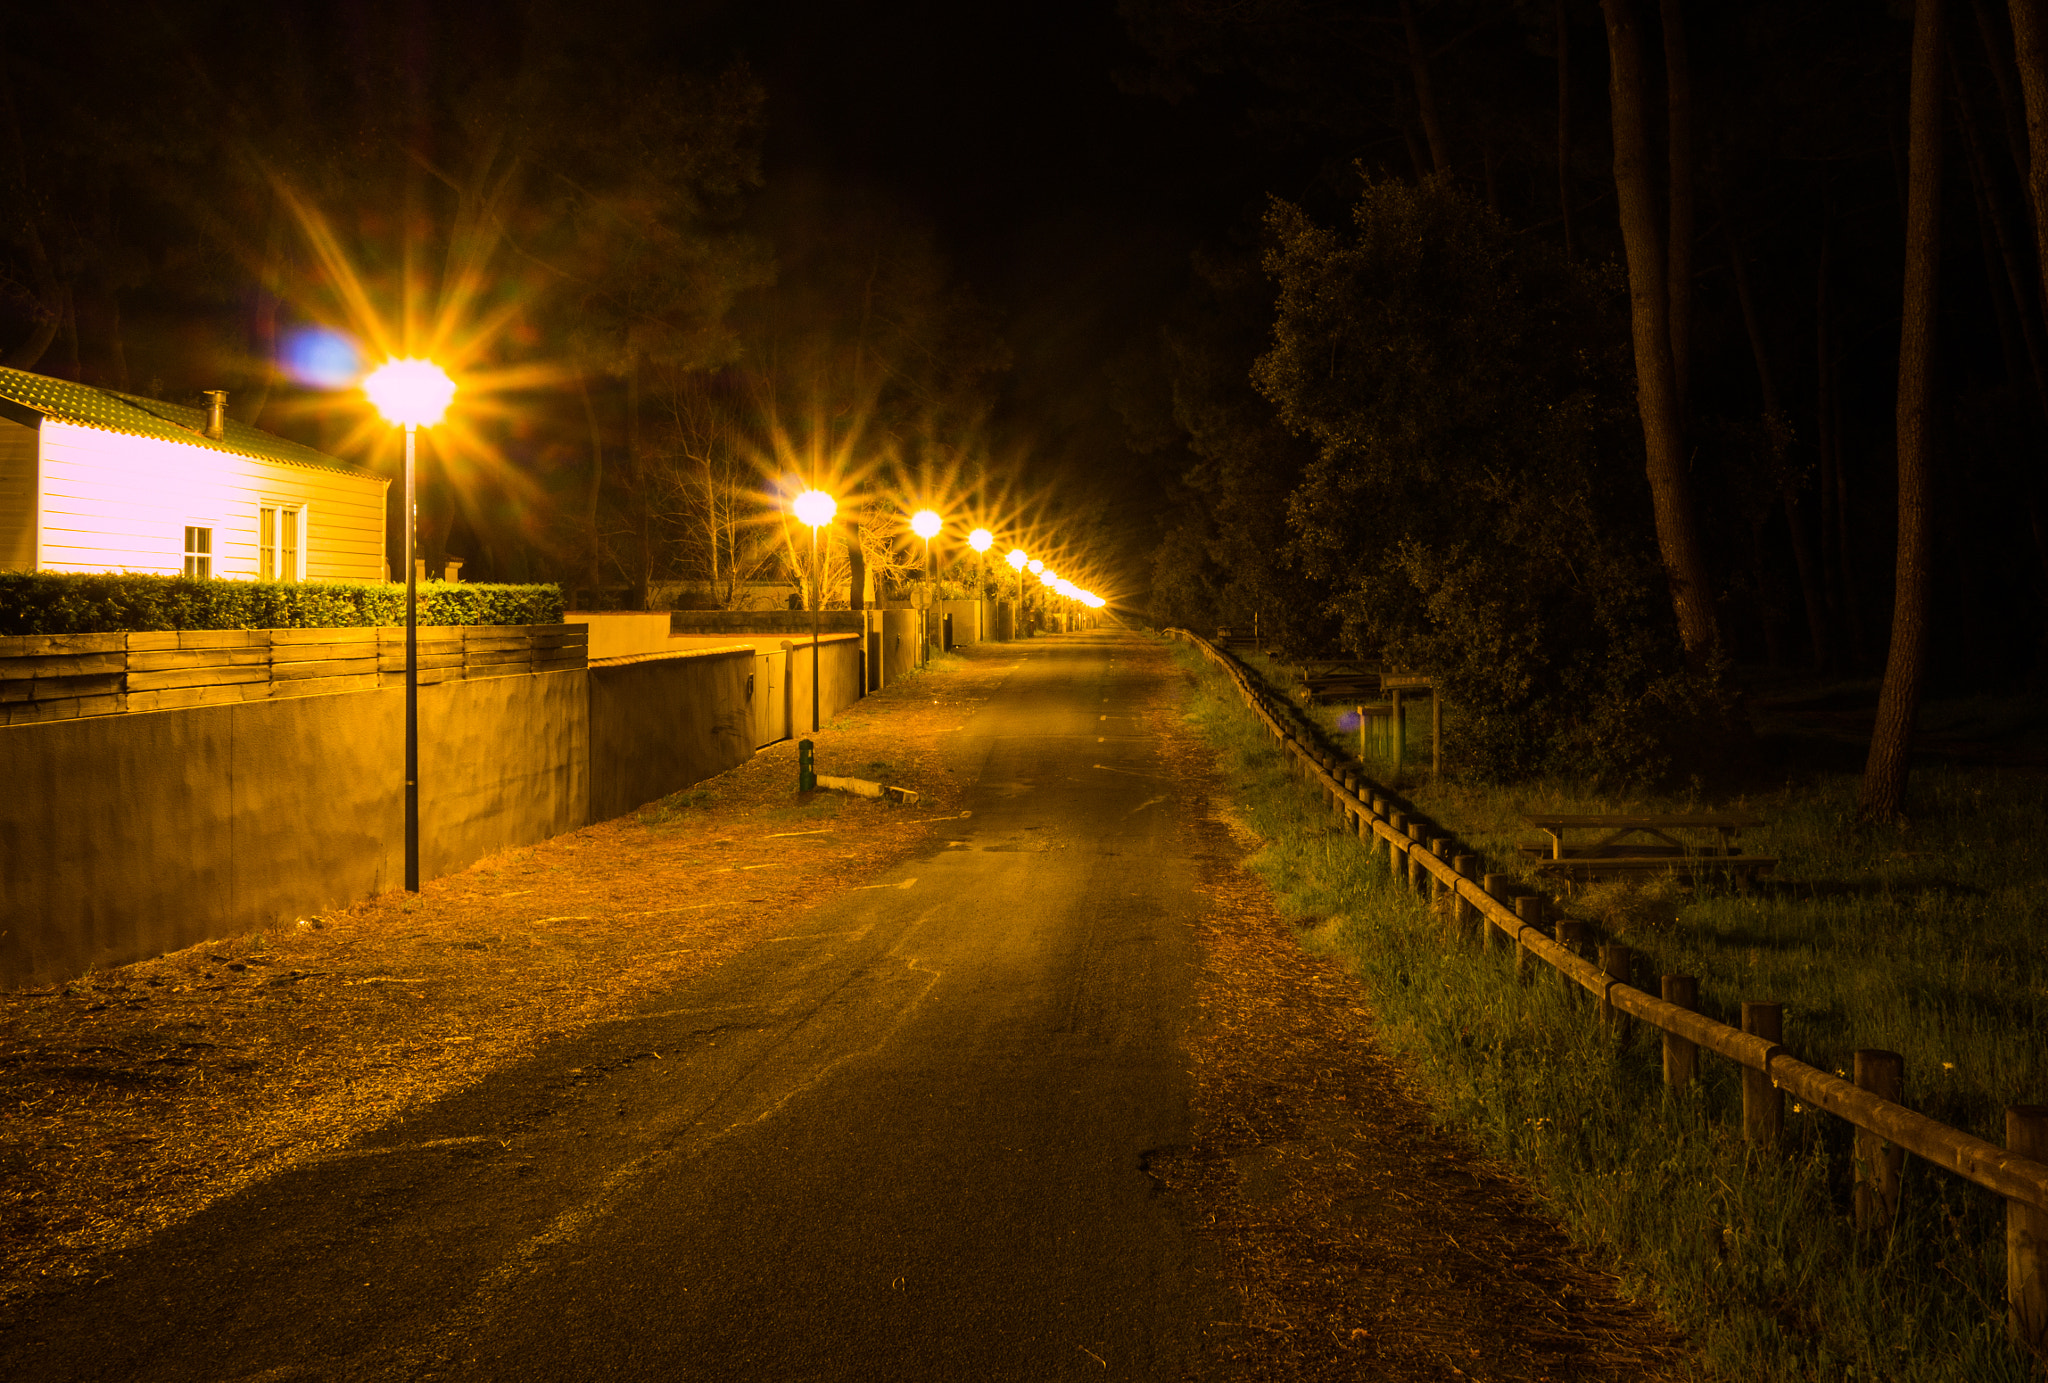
<point>132,1098</point>
<point>1364,1241</point>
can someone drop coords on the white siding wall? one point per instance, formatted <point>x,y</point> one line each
<point>17,496</point>
<point>114,502</point>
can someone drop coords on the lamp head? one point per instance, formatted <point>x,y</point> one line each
<point>926,524</point>
<point>1018,558</point>
<point>815,508</point>
<point>409,392</point>
<point>1037,566</point>
<point>980,539</point>
<point>1046,577</point>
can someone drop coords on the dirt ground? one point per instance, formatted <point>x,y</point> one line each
<point>1363,1242</point>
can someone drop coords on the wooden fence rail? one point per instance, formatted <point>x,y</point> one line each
<point>2017,1172</point>
<point>68,676</point>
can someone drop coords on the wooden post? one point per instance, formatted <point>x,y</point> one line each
<point>1681,1056</point>
<point>1416,845</point>
<point>2026,1235</point>
<point>1529,912</point>
<point>1361,733</point>
<point>1572,936</point>
<point>1399,823</point>
<point>1615,960</point>
<point>1466,914</point>
<point>1397,732</point>
<point>1878,1163</point>
<point>1763,1104</point>
<point>1440,847</point>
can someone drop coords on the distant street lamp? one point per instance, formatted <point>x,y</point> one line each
<point>411,394</point>
<point>815,508</point>
<point>926,524</point>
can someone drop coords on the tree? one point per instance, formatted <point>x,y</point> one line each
<point>1898,704</point>
<point>1657,385</point>
<point>1467,510</point>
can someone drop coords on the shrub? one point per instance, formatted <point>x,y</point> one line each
<point>125,602</point>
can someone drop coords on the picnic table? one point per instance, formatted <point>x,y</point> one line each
<point>1642,842</point>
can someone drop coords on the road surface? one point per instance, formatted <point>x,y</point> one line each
<point>904,1139</point>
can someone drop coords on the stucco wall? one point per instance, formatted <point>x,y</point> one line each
<point>839,679</point>
<point>899,644</point>
<point>663,724</point>
<point>127,836</point>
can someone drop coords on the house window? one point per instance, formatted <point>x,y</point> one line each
<point>278,547</point>
<point>198,551</point>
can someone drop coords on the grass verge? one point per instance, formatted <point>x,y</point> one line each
<point>1751,1254</point>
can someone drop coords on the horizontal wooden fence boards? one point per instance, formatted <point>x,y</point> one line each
<point>66,676</point>
<point>2009,1172</point>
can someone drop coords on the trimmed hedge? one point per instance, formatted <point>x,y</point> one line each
<point>122,603</point>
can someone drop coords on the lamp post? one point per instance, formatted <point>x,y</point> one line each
<point>1017,558</point>
<point>411,394</point>
<point>981,540</point>
<point>926,524</point>
<point>815,508</point>
<point>1046,577</point>
<point>1037,568</point>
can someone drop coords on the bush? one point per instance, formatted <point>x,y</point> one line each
<point>123,602</point>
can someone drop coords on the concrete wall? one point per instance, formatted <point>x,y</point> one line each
<point>968,617</point>
<point>898,633</point>
<point>622,635</point>
<point>762,625</point>
<point>127,836</point>
<point>662,724</point>
<point>838,679</point>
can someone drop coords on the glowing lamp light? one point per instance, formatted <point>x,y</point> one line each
<point>1064,587</point>
<point>410,393</point>
<point>926,524</point>
<point>980,539</point>
<point>1046,578</point>
<point>1018,558</point>
<point>1036,566</point>
<point>815,508</point>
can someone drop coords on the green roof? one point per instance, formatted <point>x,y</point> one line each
<point>144,417</point>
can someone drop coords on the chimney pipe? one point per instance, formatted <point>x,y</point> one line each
<point>216,413</point>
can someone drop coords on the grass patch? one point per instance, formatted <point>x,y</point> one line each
<point>1927,950</point>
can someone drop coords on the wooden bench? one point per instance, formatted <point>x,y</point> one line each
<point>1622,851</point>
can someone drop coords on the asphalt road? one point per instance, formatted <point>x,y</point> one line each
<point>905,1139</point>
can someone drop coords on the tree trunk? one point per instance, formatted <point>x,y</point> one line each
<point>1656,391</point>
<point>1996,217</point>
<point>1678,274</point>
<point>1564,130</point>
<point>1778,426</point>
<point>2009,104</point>
<point>2030,54</point>
<point>1425,93</point>
<point>1898,705</point>
<point>856,570</point>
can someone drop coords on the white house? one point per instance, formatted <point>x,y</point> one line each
<point>93,480</point>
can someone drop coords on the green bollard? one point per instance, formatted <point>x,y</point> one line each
<point>806,768</point>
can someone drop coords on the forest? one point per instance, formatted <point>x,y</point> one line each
<point>1589,352</point>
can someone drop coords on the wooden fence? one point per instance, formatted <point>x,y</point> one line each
<point>1887,1128</point>
<point>66,676</point>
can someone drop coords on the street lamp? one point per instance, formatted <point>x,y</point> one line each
<point>926,524</point>
<point>411,394</point>
<point>981,540</point>
<point>816,508</point>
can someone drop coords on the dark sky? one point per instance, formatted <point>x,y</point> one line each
<point>1067,202</point>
